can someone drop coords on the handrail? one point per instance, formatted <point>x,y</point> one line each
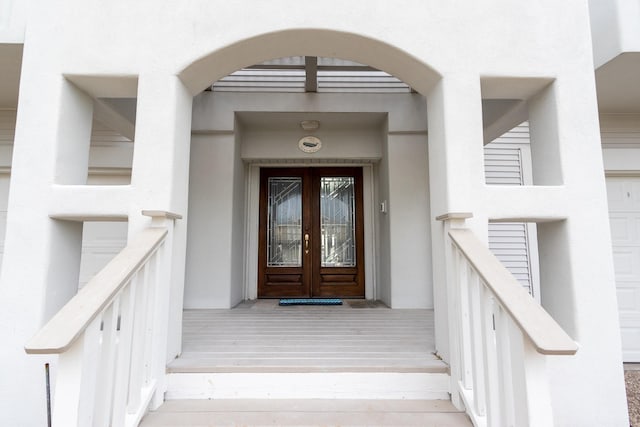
<point>500,339</point>
<point>545,334</point>
<point>111,338</point>
<point>59,334</point>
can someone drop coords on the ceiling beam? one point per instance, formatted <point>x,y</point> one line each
<point>320,67</point>
<point>113,119</point>
<point>311,73</point>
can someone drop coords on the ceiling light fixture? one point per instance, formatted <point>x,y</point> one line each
<point>310,125</point>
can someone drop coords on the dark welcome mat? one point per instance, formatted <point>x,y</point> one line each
<point>310,301</point>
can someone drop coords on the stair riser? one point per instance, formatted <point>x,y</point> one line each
<point>316,385</point>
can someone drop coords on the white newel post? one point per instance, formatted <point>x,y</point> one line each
<point>456,178</point>
<point>160,181</point>
<point>533,402</point>
<point>162,272</point>
<point>449,221</point>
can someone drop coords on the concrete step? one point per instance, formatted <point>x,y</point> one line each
<point>306,412</point>
<point>265,351</point>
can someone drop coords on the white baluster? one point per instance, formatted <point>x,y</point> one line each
<point>518,376</point>
<point>454,323</point>
<point>490,361</point>
<point>149,326</point>
<point>503,344</point>
<point>466,368</point>
<point>476,344</point>
<point>158,357</point>
<point>123,364</point>
<point>104,393</point>
<point>137,343</point>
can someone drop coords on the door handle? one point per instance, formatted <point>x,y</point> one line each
<point>306,243</point>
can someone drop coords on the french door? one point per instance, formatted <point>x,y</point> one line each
<point>311,233</point>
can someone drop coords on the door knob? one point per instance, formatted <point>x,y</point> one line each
<point>306,243</point>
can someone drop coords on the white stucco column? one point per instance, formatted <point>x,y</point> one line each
<point>409,231</point>
<point>42,255</point>
<point>160,174</point>
<point>456,174</point>
<point>576,266</point>
<point>216,222</point>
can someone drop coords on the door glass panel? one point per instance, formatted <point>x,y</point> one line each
<point>284,223</point>
<point>337,222</point>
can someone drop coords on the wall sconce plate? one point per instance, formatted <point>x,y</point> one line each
<point>309,144</point>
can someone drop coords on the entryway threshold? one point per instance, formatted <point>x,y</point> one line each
<point>309,301</point>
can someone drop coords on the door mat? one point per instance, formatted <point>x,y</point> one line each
<point>310,301</point>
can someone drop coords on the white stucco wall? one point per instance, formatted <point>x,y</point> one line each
<point>615,28</point>
<point>13,20</point>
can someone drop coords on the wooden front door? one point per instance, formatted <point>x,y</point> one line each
<point>311,233</point>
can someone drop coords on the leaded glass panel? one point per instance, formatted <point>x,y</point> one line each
<point>284,222</point>
<point>337,222</point>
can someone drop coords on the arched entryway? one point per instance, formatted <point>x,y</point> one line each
<point>403,276</point>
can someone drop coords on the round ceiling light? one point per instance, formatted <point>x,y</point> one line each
<point>310,125</point>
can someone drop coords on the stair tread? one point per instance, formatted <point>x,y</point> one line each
<point>237,364</point>
<point>190,413</point>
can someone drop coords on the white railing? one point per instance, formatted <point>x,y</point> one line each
<point>500,338</point>
<point>111,339</point>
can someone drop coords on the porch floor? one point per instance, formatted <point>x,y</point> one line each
<point>260,336</point>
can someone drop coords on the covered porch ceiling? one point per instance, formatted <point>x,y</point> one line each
<point>618,85</point>
<point>310,74</point>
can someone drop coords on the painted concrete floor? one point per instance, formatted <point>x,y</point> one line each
<point>261,337</point>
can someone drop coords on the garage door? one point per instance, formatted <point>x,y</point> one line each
<point>101,241</point>
<point>624,214</point>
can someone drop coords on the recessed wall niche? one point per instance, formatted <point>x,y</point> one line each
<point>524,111</point>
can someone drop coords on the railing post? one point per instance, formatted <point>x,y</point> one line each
<point>453,220</point>
<point>534,398</point>
<point>104,396</point>
<point>164,312</point>
<point>76,378</point>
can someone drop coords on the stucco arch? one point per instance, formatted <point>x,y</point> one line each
<point>315,42</point>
